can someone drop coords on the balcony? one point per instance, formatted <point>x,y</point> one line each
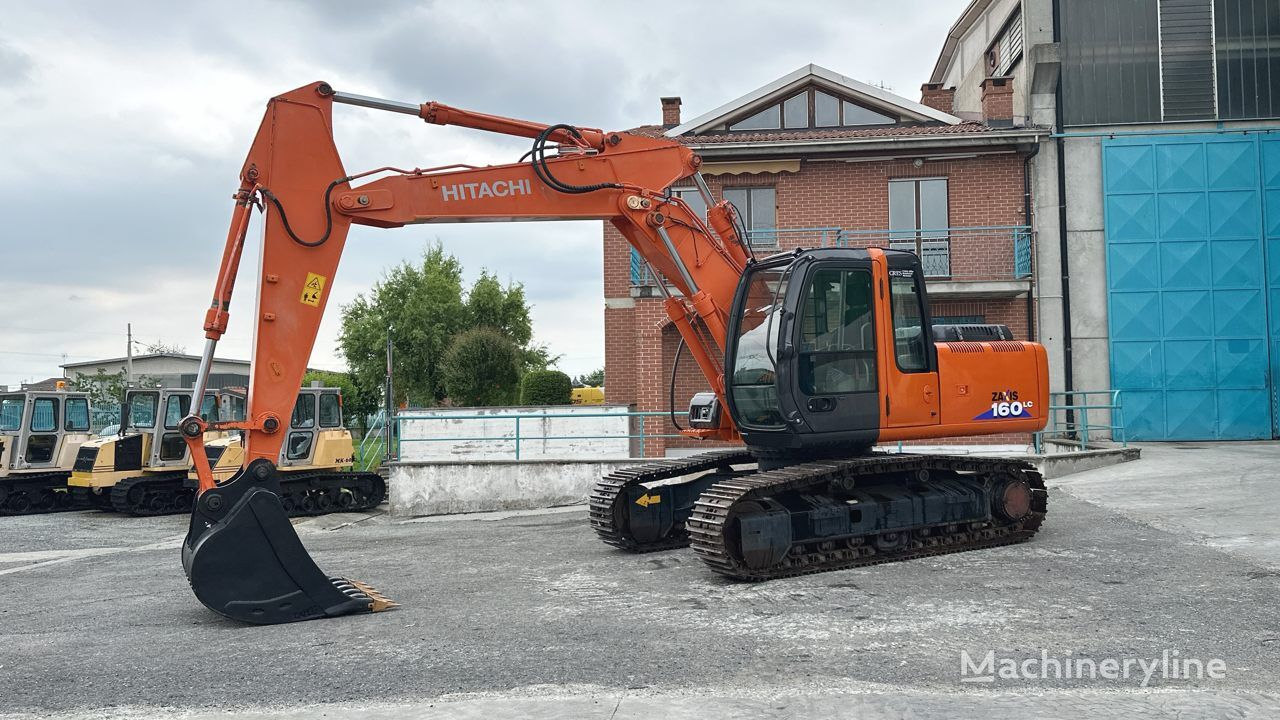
<point>958,262</point>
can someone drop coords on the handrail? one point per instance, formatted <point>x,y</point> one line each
<point>1077,428</point>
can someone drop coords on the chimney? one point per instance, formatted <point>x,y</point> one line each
<point>997,101</point>
<point>670,111</point>
<point>938,97</point>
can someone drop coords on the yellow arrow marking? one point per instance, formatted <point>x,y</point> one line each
<point>647,500</point>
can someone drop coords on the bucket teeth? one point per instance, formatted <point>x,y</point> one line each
<point>360,591</point>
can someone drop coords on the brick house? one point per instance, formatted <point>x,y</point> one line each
<point>818,159</point>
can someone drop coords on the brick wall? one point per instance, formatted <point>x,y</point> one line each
<point>986,190</point>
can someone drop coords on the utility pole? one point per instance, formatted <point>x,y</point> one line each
<point>388,406</point>
<point>128,362</point>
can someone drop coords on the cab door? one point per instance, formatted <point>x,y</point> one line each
<point>301,441</point>
<point>836,379</point>
<point>910,393</point>
<point>40,447</point>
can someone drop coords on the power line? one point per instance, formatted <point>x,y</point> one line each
<point>57,330</point>
<point>57,355</point>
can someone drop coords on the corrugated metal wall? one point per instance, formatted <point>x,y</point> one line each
<point>1131,61</point>
<point>1248,54</point>
<point>1110,61</point>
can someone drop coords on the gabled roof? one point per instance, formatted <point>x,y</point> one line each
<point>812,74</point>
<point>971,14</point>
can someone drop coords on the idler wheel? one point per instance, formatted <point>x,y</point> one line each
<point>1012,499</point>
<point>20,503</point>
<point>887,542</point>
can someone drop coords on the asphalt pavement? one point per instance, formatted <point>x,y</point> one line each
<point>528,615</point>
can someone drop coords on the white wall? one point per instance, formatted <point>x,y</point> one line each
<point>434,435</point>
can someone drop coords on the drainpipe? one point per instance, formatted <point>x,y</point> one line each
<point>1026,217</point>
<point>1063,252</point>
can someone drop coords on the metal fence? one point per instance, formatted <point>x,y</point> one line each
<point>520,433</point>
<point>1069,418</point>
<point>989,252</point>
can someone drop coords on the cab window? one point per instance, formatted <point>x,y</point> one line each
<point>142,409</point>
<point>209,408</point>
<point>330,411</point>
<point>44,415</point>
<point>77,412</point>
<point>304,411</point>
<point>175,408</point>
<point>837,333</point>
<point>11,412</point>
<point>909,339</point>
<point>753,382</point>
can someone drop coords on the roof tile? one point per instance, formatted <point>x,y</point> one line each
<point>799,136</point>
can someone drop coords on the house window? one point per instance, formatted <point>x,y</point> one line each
<point>826,110</point>
<point>766,119</point>
<point>795,111</point>
<point>812,108</point>
<point>757,206</point>
<point>694,199</point>
<point>919,222</point>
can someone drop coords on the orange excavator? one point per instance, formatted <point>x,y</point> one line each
<point>812,357</point>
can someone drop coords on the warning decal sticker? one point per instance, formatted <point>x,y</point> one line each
<point>312,290</point>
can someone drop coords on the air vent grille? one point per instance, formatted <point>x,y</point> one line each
<point>1007,346</point>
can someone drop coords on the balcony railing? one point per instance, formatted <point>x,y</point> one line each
<point>980,253</point>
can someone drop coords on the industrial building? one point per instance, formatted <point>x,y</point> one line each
<point>1157,197</point>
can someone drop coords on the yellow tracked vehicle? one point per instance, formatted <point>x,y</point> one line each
<point>143,469</point>
<point>40,433</point>
<point>315,462</point>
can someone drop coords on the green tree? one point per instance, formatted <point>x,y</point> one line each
<point>425,305</point>
<point>482,367</point>
<point>107,389</point>
<point>545,387</point>
<point>504,309</point>
<point>595,378</point>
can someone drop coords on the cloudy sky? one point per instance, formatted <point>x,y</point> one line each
<point>125,124</point>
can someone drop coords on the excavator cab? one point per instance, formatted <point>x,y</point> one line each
<point>803,370</point>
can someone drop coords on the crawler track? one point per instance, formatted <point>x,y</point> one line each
<point>608,511</point>
<point>301,493</point>
<point>716,524</point>
<point>35,493</point>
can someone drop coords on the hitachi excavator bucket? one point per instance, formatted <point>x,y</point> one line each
<point>244,559</point>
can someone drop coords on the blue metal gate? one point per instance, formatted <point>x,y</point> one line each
<point>1189,222</point>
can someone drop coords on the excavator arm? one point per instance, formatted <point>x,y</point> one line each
<point>294,174</point>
